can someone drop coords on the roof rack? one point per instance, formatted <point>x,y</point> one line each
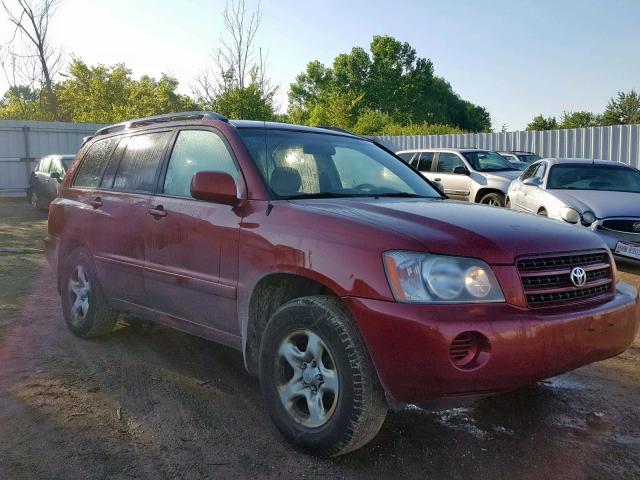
<point>169,117</point>
<point>335,129</point>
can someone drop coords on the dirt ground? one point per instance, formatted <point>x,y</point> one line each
<point>160,404</point>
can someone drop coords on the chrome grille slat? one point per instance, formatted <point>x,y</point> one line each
<point>546,280</point>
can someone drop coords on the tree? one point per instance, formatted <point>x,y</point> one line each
<point>542,123</point>
<point>238,86</point>
<point>388,80</point>
<point>623,110</point>
<point>100,94</point>
<point>580,119</point>
<point>39,60</point>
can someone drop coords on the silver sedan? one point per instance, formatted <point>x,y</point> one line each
<point>600,195</point>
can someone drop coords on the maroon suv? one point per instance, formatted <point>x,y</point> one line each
<point>343,275</point>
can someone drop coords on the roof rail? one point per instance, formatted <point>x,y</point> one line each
<point>336,129</point>
<point>169,117</point>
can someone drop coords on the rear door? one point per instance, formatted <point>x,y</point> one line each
<point>424,163</point>
<point>124,176</point>
<point>192,245</point>
<point>457,186</point>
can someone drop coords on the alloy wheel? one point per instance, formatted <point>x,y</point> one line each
<point>80,289</point>
<point>308,384</point>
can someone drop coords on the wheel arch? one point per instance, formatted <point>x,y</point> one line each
<point>486,190</point>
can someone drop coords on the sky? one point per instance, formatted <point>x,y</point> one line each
<point>517,58</point>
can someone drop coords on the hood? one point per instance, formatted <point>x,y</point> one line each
<point>446,227</point>
<point>508,174</point>
<point>602,203</point>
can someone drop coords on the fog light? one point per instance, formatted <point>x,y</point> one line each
<point>469,350</point>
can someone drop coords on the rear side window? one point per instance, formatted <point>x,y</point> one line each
<point>196,151</point>
<point>139,164</point>
<point>406,156</point>
<point>447,162</point>
<point>94,163</point>
<point>426,159</point>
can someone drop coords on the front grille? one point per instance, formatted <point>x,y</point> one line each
<point>623,225</point>
<point>547,280</point>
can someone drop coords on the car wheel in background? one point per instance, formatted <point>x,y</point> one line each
<point>543,213</point>
<point>507,204</point>
<point>493,199</point>
<point>34,200</point>
<point>84,305</point>
<point>320,386</point>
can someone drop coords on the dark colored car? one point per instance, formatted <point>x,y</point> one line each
<point>46,179</point>
<point>345,278</point>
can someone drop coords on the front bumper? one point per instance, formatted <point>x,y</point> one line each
<point>611,238</point>
<point>409,344</point>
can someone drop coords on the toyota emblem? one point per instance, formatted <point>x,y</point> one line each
<point>578,276</point>
<point>636,227</point>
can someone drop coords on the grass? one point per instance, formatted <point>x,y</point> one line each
<point>22,230</point>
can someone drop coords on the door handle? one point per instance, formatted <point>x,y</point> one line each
<point>158,211</point>
<point>96,202</point>
<point>437,179</point>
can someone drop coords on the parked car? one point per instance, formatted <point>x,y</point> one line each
<point>472,175</point>
<point>46,178</point>
<point>345,278</point>
<point>603,196</point>
<point>515,156</point>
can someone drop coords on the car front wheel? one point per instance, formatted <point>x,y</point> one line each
<point>493,199</point>
<point>317,379</point>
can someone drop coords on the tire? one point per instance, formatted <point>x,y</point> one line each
<point>349,395</point>
<point>543,213</point>
<point>493,199</point>
<point>86,309</point>
<point>34,200</point>
<point>507,204</point>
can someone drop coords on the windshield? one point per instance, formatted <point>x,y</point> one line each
<point>66,163</point>
<point>594,177</point>
<point>529,157</point>
<point>488,161</point>
<point>297,164</point>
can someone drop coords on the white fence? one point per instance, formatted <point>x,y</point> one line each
<point>620,143</point>
<point>22,143</point>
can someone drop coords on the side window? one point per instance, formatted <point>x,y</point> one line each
<point>45,165</point>
<point>426,159</point>
<point>93,164</point>
<point>447,162</point>
<point>55,166</point>
<point>140,162</point>
<point>529,172</point>
<point>542,167</point>
<point>407,156</point>
<point>196,151</point>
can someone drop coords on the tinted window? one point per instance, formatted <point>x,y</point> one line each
<point>542,167</point>
<point>196,151</point>
<point>94,162</point>
<point>406,156</point>
<point>529,158</point>
<point>447,162</point>
<point>529,172</point>
<point>426,159</point>
<point>139,164</point>
<point>66,162</point>
<point>594,177</point>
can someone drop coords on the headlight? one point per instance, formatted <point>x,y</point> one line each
<point>588,218</point>
<point>570,215</point>
<point>425,278</point>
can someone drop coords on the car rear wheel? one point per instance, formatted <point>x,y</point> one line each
<point>319,384</point>
<point>86,309</point>
<point>493,199</point>
<point>543,213</point>
<point>34,200</point>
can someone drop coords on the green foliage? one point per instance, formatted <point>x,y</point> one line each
<point>243,103</point>
<point>23,103</point>
<point>389,85</point>
<point>543,123</point>
<point>623,110</point>
<point>102,94</point>
<point>371,122</point>
<point>581,119</point>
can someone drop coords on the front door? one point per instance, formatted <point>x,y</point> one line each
<point>192,246</point>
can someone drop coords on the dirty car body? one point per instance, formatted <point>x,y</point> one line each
<point>329,232</point>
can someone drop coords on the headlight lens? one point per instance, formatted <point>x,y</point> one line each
<point>570,215</point>
<point>588,218</point>
<point>425,278</point>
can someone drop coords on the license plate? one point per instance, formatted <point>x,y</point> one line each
<point>628,249</point>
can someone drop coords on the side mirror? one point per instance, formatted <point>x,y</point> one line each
<point>56,175</point>
<point>217,187</point>
<point>460,171</point>
<point>532,182</point>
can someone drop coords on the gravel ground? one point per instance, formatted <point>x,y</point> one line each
<point>157,403</point>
